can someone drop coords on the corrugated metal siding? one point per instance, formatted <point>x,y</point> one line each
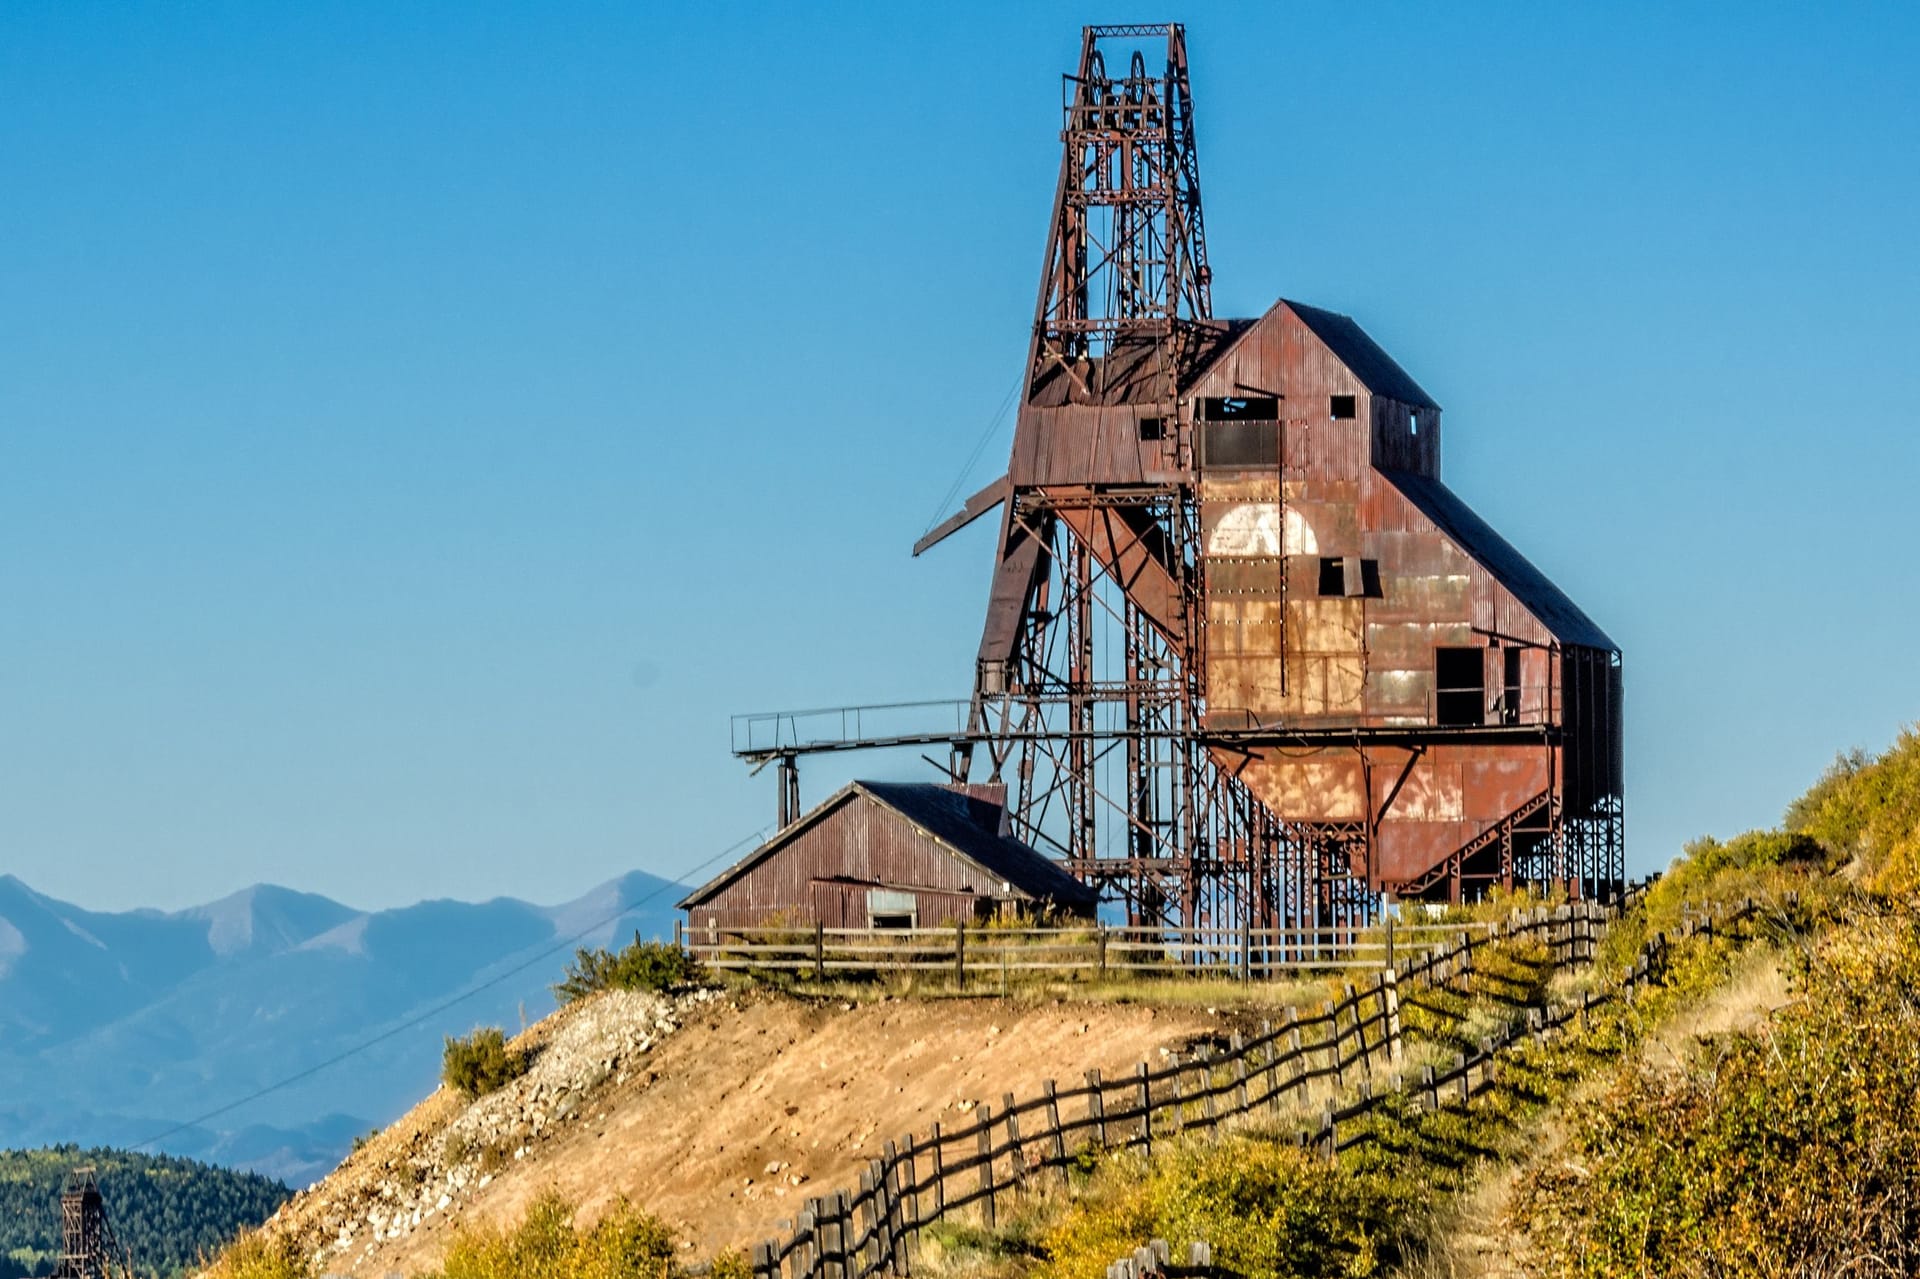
<point>1280,653</point>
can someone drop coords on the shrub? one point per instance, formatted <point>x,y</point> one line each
<point>1791,1149</point>
<point>1268,1208</point>
<point>260,1256</point>
<point>481,1062</point>
<point>624,1244</point>
<point>644,965</point>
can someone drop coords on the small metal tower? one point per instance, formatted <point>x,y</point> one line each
<point>88,1248</point>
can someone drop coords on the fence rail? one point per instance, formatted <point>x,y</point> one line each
<point>919,1179</point>
<point>1093,952</point>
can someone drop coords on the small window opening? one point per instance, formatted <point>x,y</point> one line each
<point>892,921</point>
<point>1153,428</point>
<point>1510,692</point>
<point>1350,576</point>
<point>1343,406</point>
<point>1227,408</point>
<point>1459,682</point>
<point>1413,423</point>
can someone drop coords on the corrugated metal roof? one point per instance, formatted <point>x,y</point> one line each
<point>968,827</point>
<point>1535,591</point>
<point>1350,344</point>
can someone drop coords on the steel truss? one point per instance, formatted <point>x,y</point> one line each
<point>1096,726</point>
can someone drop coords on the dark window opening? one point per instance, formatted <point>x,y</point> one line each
<point>1350,576</point>
<point>1510,693</point>
<point>1459,680</point>
<point>1246,445</point>
<point>1343,406</point>
<point>892,921</point>
<point>1153,428</point>
<point>1240,408</point>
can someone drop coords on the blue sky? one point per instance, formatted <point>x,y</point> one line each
<point>422,426</point>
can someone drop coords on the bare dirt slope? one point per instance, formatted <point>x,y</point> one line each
<point>749,1082</point>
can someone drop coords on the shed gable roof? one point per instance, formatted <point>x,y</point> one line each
<point>951,819</point>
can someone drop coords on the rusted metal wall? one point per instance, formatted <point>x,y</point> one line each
<point>1280,651</point>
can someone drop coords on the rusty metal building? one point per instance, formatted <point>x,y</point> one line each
<point>1247,659</point>
<point>889,855</point>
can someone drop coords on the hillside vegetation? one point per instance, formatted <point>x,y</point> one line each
<point>168,1212</point>
<point>1792,1147</point>
<point>1755,1112</point>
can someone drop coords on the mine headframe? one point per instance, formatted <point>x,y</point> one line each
<point>1088,695</point>
<point>1126,251</point>
<point>1088,698</point>
<point>88,1248</point>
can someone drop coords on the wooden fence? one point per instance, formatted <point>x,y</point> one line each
<point>1090,952</point>
<point>918,1180</point>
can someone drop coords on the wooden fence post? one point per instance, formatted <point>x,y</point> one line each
<point>890,1204</point>
<point>1179,1102</point>
<point>807,1257</point>
<point>1144,1073</point>
<point>1239,1049</point>
<point>1100,952</point>
<point>843,1236</point>
<point>1269,1082</point>
<point>1389,941</point>
<point>1246,952</point>
<point>1333,1045</point>
<point>939,1174</point>
<point>910,1193</point>
<point>762,1257</point>
<point>1203,1057</point>
<point>869,1201</point>
<point>1429,1089</point>
<point>1390,996</point>
<point>1296,1054</point>
<point>1012,1119</point>
<point>983,1151</point>
<point>960,953</point>
<point>819,950</point>
<point>1056,1140</point>
<point>1097,1109</point>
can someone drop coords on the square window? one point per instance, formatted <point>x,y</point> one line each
<point>1153,428</point>
<point>1343,406</point>
<point>1228,408</point>
<point>1349,576</point>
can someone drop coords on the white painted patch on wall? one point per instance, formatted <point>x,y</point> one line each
<point>1257,528</point>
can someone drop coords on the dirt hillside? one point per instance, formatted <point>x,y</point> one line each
<point>719,1115</point>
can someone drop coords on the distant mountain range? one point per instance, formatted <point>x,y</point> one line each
<point>117,1027</point>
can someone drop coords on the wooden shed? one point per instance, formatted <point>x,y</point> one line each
<point>889,855</point>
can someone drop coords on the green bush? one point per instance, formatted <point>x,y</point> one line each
<point>259,1256</point>
<point>1868,807</point>
<point>644,965</point>
<point>1268,1208</point>
<point>481,1062</point>
<point>624,1244</point>
<point>1790,1149</point>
